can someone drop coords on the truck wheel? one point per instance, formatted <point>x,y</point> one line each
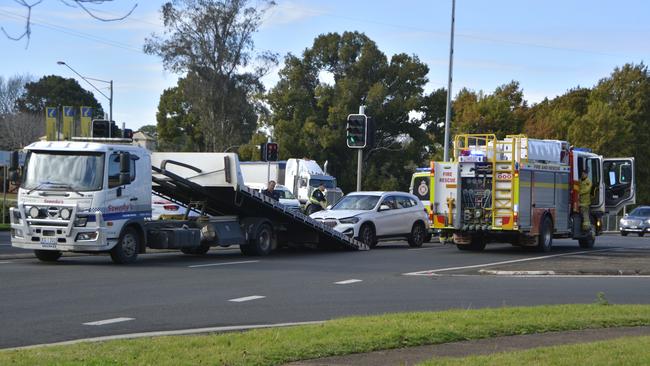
<point>417,235</point>
<point>641,234</point>
<point>200,250</point>
<point>126,250</point>
<point>261,244</point>
<point>624,233</point>
<point>367,235</point>
<point>427,239</point>
<point>477,244</point>
<point>47,255</point>
<point>545,239</point>
<point>587,242</point>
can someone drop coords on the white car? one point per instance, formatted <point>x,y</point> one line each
<point>165,209</point>
<point>370,216</point>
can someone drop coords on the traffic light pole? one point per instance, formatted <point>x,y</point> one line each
<point>362,110</point>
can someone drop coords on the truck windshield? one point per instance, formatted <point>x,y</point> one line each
<point>77,171</point>
<point>357,202</point>
<point>329,183</point>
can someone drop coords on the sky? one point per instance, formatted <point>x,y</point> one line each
<point>548,46</point>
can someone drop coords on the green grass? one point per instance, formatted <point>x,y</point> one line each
<point>336,337</point>
<point>5,227</point>
<point>620,352</point>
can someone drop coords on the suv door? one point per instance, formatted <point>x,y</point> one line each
<point>619,182</point>
<point>387,221</point>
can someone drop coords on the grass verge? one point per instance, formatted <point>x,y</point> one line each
<point>620,352</point>
<point>5,227</point>
<point>336,337</point>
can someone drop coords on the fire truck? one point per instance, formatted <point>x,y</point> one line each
<point>524,191</point>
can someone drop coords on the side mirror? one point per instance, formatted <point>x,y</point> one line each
<point>626,215</point>
<point>384,208</point>
<point>13,167</point>
<point>125,168</point>
<point>328,207</point>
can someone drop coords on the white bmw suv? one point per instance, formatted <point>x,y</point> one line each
<point>370,216</point>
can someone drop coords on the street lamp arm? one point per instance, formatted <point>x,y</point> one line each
<point>86,80</point>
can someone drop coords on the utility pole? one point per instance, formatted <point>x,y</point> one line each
<point>362,110</point>
<point>451,67</point>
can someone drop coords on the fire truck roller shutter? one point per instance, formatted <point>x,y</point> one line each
<point>561,202</point>
<point>525,207</point>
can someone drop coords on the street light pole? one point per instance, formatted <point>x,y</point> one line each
<point>110,98</point>
<point>451,68</point>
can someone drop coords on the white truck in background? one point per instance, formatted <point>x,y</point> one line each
<point>300,176</point>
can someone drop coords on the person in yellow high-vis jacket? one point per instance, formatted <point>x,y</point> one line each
<point>585,200</point>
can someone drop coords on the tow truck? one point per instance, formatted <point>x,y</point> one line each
<point>93,195</point>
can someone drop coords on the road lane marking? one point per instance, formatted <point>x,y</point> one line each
<point>347,282</point>
<point>109,321</point>
<point>433,272</point>
<point>163,333</point>
<point>247,298</point>
<point>220,264</point>
<point>5,262</point>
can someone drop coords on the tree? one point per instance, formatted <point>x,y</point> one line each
<point>309,116</point>
<point>552,119</point>
<point>177,123</point>
<point>150,130</point>
<point>19,130</point>
<point>210,42</point>
<point>81,4</point>
<point>54,91</point>
<point>10,90</point>
<point>501,113</point>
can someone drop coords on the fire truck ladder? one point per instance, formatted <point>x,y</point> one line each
<point>510,153</point>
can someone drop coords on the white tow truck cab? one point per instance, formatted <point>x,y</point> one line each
<point>94,195</point>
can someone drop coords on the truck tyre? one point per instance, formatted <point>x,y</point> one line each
<point>261,243</point>
<point>641,234</point>
<point>427,239</point>
<point>367,235</point>
<point>200,250</point>
<point>418,234</point>
<point>126,250</point>
<point>587,242</point>
<point>624,233</point>
<point>545,238</point>
<point>477,244</point>
<point>47,255</point>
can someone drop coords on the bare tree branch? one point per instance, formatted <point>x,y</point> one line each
<point>81,4</point>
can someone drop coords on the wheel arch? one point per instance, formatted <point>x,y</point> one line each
<point>138,226</point>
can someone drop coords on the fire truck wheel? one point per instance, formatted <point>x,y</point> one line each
<point>418,234</point>
<point>588,242</point>
<point>427,239</point>
<point>126,250</point>
<point>367,235</point>
<point>545,239</point>
<point>624,233</point>
<point>47,255</point>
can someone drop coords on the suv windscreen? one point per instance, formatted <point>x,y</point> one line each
<point>357,202</point>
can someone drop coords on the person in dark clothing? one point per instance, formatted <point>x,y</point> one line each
<point>271,192</point>
<point>317,201</point>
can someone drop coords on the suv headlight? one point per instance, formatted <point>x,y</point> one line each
<point>647,221</point>
<point>349,220</point>
<point>623,222</point>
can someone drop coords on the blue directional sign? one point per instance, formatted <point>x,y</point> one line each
<point>86,112</point>
<point>51,112</point>
<point>68,111</point>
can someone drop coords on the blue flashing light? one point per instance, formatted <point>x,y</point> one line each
<point>422,169</point>
<point>583,149</point>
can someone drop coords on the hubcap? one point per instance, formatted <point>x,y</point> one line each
<point>417,235</point>
<point>367,235</point>
<point>129,245</point>
<point>264,239</point>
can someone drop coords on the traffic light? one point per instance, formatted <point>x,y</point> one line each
<point>356,131</point>
<point>269,151</point>
<point>100,128</point>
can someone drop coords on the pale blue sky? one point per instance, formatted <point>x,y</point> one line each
<point>548,46</point>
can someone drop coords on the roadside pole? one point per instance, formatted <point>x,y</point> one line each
<point>362,110</point>
<point>4,193</point>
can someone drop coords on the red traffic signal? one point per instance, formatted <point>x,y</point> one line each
<point>269,151</point>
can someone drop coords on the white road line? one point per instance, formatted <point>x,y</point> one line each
<point>247,298</point>
<point>347,282</point>
<point>5,262</point>
<point>109,321</point>
<point>168,333</point>
<point>433,272</point>
<point>220,264</point>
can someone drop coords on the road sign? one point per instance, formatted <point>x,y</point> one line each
<point>86,112</point>
<point>68,111</point>
<point>52,112</point>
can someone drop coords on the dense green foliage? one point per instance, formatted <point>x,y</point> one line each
<point>54,91</point>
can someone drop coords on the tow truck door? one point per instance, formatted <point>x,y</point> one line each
<point>619,182</point>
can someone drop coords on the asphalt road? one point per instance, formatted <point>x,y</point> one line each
<point>44,302</point>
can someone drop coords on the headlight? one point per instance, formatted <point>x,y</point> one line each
<point>81,221</point>
<point>647,221</point>
<point>349,220</point>
<point>65,213</point>
<point>33,212</point>
<point>623,222</point>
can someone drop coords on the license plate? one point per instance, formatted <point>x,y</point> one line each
<point>48,241</point>
<point>632,227</point>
